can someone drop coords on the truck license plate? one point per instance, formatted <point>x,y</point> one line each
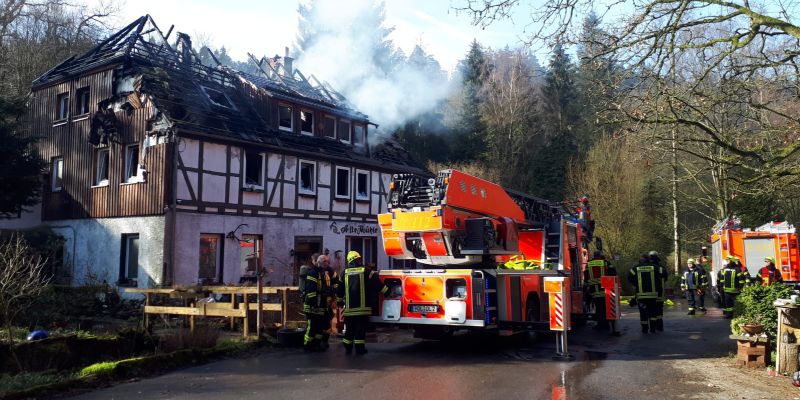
<point>420,308</point>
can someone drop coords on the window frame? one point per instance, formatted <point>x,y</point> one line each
<point>261,174</point>
<point>97,181</point>
<point>219,257</point>
<point>80,94</point>
<point>335,132</point>
<point>206,91</point>
<point>363,135</point>
<point>300,188</point>
<point>259,250</point>
<point>60,187</point>
<point>349,130</point>
<point>336,181</point>
<point>62,105</point>
<point>358,196</point>
<point>127,177</point>
<point>289,128</point>
<point>370,256</point>
<point>125,278</point>
<point>311,113</point>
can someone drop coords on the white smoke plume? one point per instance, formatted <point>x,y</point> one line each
<point>345,55</point>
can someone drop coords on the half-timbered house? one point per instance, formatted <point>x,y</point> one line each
<point>166,171</point>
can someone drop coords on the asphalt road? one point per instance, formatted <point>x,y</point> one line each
<point>400,367</point>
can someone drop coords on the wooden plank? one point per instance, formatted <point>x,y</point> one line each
<point>266,307</point>
<point>196,311</point>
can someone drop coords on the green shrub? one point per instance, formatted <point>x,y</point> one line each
<point>18,382</point>
<point>99,369</point>
<point>754,305</point>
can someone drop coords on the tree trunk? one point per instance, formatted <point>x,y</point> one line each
<point>676,238</point>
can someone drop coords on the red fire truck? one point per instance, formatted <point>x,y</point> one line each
<point>467,232</point>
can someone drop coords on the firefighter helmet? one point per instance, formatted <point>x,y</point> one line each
<point>653,253</point>
<point>352,255</point>
<point>691,261</point>
<point>770,259</point>
<point>732,258</point>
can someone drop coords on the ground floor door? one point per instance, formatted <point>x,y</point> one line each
<point>304,247</point>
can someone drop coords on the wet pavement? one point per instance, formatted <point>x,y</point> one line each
<point>465,367</point>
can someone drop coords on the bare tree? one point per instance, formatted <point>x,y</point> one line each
<point>22,278</point>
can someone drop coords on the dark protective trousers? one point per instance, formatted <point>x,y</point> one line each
<point>647,310</point>
<point>600,312</point>
<point>694,299</point>
<point>315,326</point>
<point>355,333</point>
<point>657,317</point>
<point>728,299</point>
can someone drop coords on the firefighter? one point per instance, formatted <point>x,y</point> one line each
<point>732,280</point>
<point>358,293</point>
<point>646,279</point>
<point>655,260</point>
<point>329,280</point>
<point>748,280</point>
<point>597,268</point>
<point>694,283</point>
<point>769,274</point>
<point>313,308</point>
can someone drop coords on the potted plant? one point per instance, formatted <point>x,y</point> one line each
<point>754,310</point>
<point>749,324</point>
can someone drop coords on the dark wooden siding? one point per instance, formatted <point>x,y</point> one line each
<point>70,140</point>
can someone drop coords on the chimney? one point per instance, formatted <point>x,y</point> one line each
<point>183,47</point>
<point>287,63</point>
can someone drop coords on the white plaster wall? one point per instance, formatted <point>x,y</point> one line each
<point>214,157</point>
<point>93,247</point>
<point>213,188</point>
<point>278,233</point>
<point>189,150</point>
<point>26,220</point>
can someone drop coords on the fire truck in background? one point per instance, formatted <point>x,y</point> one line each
<point>752,246</point>
<point>486,250</point>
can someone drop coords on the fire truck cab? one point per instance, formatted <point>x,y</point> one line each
<point>773,239</point>
<point>485,250</point>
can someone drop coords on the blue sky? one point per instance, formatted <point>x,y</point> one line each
<point>266,27</point>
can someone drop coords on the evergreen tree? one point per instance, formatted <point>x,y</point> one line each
<point>20,168</point>
<point>470,131</point>
<point>594,83</point>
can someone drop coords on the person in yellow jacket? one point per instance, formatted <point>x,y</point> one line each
<point>595,270</point>
<point>358,293</point>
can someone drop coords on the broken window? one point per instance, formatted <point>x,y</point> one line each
<point>358,135</point>
<point>101,168</point>
<point>330,126</point>
<point>217,98</point>
<point>307,177</point>
<point>56,174</point>
<point>82,101</point>
<point>306,122</point>
<point>129,270</point>
<point>254,169</point>
<point>62,106</point>
<point>342,182</point>
<point>362,185</point>
<point>344,131</point>
<point>210,258</point>
<point>131,163</point>
<point>285,117</point>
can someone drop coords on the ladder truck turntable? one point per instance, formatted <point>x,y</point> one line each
<point>462,228</point>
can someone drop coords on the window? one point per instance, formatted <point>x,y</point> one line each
<point>217,98</point>
<point>101,170</point>
<point>366,246</point>
<point>358,135</point>
<point>250,248</point>
<point>330,127</point>
<point>62,106</point>
<point>306,122</point>
<point>344,131</point>
<point>131,163</point>
<point>362,185</point>
<point>56,174</point>
<point>342,182</point>
<point>285,121</point>
<point>254,170</point>
<point>210,258</point>
<point>129,265</point>
<point>403,264</point>
<point>82,101</point>
<point>308,177</point>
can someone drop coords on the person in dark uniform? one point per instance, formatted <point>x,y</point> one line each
<point>694,284</point>
<point>595,270</point>
<point>646,279</point>
<point>358,293</point>
<point>314,309</point>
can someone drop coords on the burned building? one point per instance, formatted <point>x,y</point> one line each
<point>167,171</point>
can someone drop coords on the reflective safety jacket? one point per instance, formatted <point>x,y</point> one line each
<point>648,281</point>
<point>359,291</point>
<point>596,269</point>
<point>313,299</point>
<point>698,279</point>
<point>731,279</point>
<point>330,286</point>
<point>770,275</point>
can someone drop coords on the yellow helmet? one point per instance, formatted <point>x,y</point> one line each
<point>732,258</point>
<point>691,261</point>
<point>770,259</point>
<point>352,255</point>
